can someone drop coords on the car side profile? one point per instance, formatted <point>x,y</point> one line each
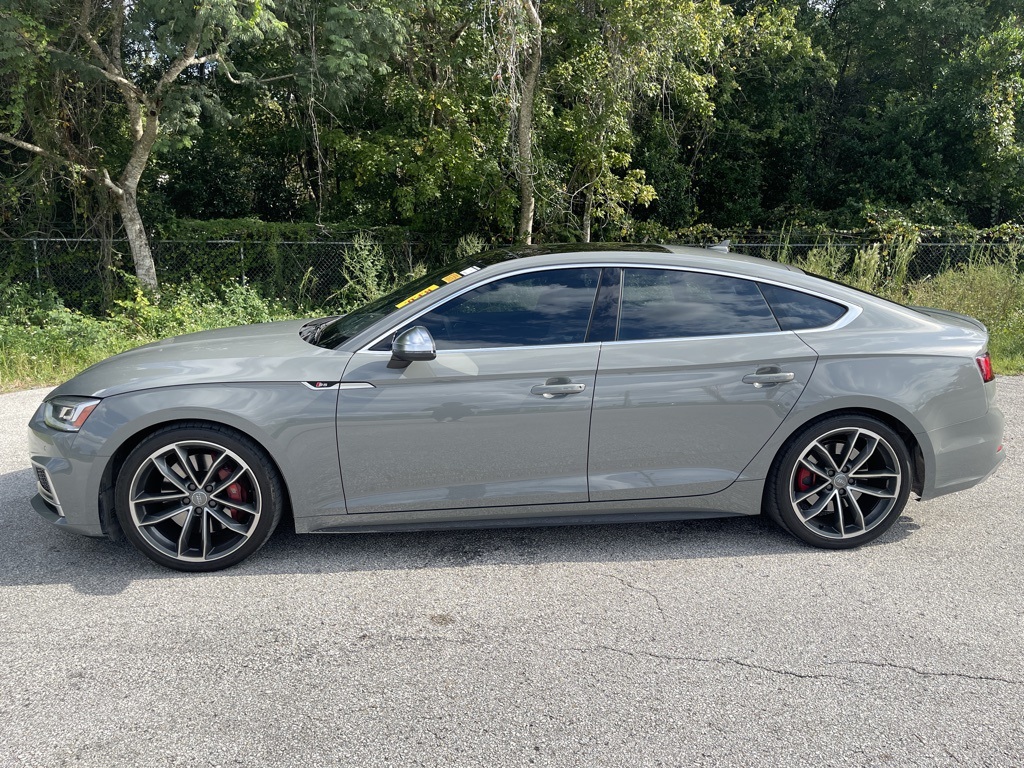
<point>530,386</point>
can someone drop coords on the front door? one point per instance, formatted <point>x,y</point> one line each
<point>500,418</point>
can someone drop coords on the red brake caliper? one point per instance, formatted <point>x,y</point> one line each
<point>804,479</point>
<point>235,492</point>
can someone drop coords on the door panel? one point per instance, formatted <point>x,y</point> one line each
<point>467,429</point>
<point>675,418</point>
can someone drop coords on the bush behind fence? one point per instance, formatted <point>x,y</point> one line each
<point>315,274</point>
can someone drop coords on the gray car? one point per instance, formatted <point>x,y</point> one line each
<point>530,387</point>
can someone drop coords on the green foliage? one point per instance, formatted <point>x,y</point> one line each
<point>42,342</point>
<point>988,285</point>
<point>467,246</point>
<point>368,272</point>
<point>652,116</point>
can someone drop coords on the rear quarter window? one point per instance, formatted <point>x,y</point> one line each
<point>798,311</point>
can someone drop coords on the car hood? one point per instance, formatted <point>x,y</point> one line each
<point>268,352</point>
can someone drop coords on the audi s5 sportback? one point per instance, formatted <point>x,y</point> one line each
<point>530,386</point>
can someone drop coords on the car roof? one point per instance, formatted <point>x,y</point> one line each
<point>511,257</point>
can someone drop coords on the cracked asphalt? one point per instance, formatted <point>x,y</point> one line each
<point>698,643</point>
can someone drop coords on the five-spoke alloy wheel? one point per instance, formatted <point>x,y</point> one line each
<point>841,482</point>
<point>198,498</point>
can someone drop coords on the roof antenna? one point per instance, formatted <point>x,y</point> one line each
<point>722,246</point>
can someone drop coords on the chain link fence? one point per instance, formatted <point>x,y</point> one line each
<point>89,275</point>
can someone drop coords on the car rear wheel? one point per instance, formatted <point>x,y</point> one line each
<point>198,498</point>
<point>841,482</point>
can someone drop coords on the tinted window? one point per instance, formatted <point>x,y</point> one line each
<point>606,308</point>
<point>661,304</point>
<point>798,311</point>
<point>547,307</point>
<point>337,331</point>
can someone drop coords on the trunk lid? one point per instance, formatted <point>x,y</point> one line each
<point>953,318</point>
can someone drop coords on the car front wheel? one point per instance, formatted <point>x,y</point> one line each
<point>841,482</point>
<point>198,498</point>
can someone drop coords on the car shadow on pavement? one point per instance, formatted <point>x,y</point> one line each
<point>36,553</point>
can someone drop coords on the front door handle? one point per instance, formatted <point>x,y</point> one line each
<point>760,379</point>
<point>554,390</point>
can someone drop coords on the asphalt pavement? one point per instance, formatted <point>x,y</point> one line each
<point>696,643</point>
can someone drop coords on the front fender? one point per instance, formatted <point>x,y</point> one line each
<point>294,424</point>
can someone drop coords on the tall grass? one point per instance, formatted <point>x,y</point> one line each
<point>990,288</point>
<point>43,342</point>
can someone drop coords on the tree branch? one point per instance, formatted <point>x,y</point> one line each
<point>453,38</point>
<point>119,80</point>
<point>26,146</point>
<point>187,58</point>
<point>116,33</point>
<point>100,177</point>
<point>82,26</point>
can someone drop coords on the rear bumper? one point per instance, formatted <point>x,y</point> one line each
<point>963,455</point>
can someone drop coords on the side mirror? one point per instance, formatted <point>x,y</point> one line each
<point>416,343</point>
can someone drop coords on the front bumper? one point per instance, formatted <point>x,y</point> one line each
<point>67,484</point>
<point>964,455</point>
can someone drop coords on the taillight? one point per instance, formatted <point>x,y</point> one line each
<point>985,366</point>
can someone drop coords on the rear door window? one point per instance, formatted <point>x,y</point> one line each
<point>668,303</point>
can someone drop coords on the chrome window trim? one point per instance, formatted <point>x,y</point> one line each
<point>852,313</point>
<point>717,337</point>
<point>492,349</point>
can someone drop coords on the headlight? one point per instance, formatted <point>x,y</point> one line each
<point>68,414</point>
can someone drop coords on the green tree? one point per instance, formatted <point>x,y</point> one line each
<point>517,46</point>
<point>421,148</point>
<point>158,56</point>
<point>614,60</point>
<point>924,111</point>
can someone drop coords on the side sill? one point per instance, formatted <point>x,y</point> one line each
<point>529,522</point>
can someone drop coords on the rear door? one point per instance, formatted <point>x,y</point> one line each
<point>697,379</point>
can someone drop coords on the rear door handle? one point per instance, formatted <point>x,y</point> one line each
<point>760,379</point>
<point>553,390</point>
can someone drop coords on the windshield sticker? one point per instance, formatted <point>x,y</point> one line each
<point>470,270</point>
<point>415,296</point>
<point>452,277</point>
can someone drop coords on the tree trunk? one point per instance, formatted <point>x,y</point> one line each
<point>145,268</point>
<point>588,206</point>
<point>524,128</point>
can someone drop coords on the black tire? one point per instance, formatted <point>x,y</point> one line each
<point>810,495</point>
<point>196,497</point>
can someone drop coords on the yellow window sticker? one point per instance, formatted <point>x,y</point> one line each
<point>452,277</point>
<point>419,295</point>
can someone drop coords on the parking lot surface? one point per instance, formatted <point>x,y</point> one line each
<point>695,643</point>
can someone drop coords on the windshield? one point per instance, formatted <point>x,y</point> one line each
<point>337,331</point>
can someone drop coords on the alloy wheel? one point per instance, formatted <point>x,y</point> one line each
<point>195,501</point>
<point>845,483</point>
